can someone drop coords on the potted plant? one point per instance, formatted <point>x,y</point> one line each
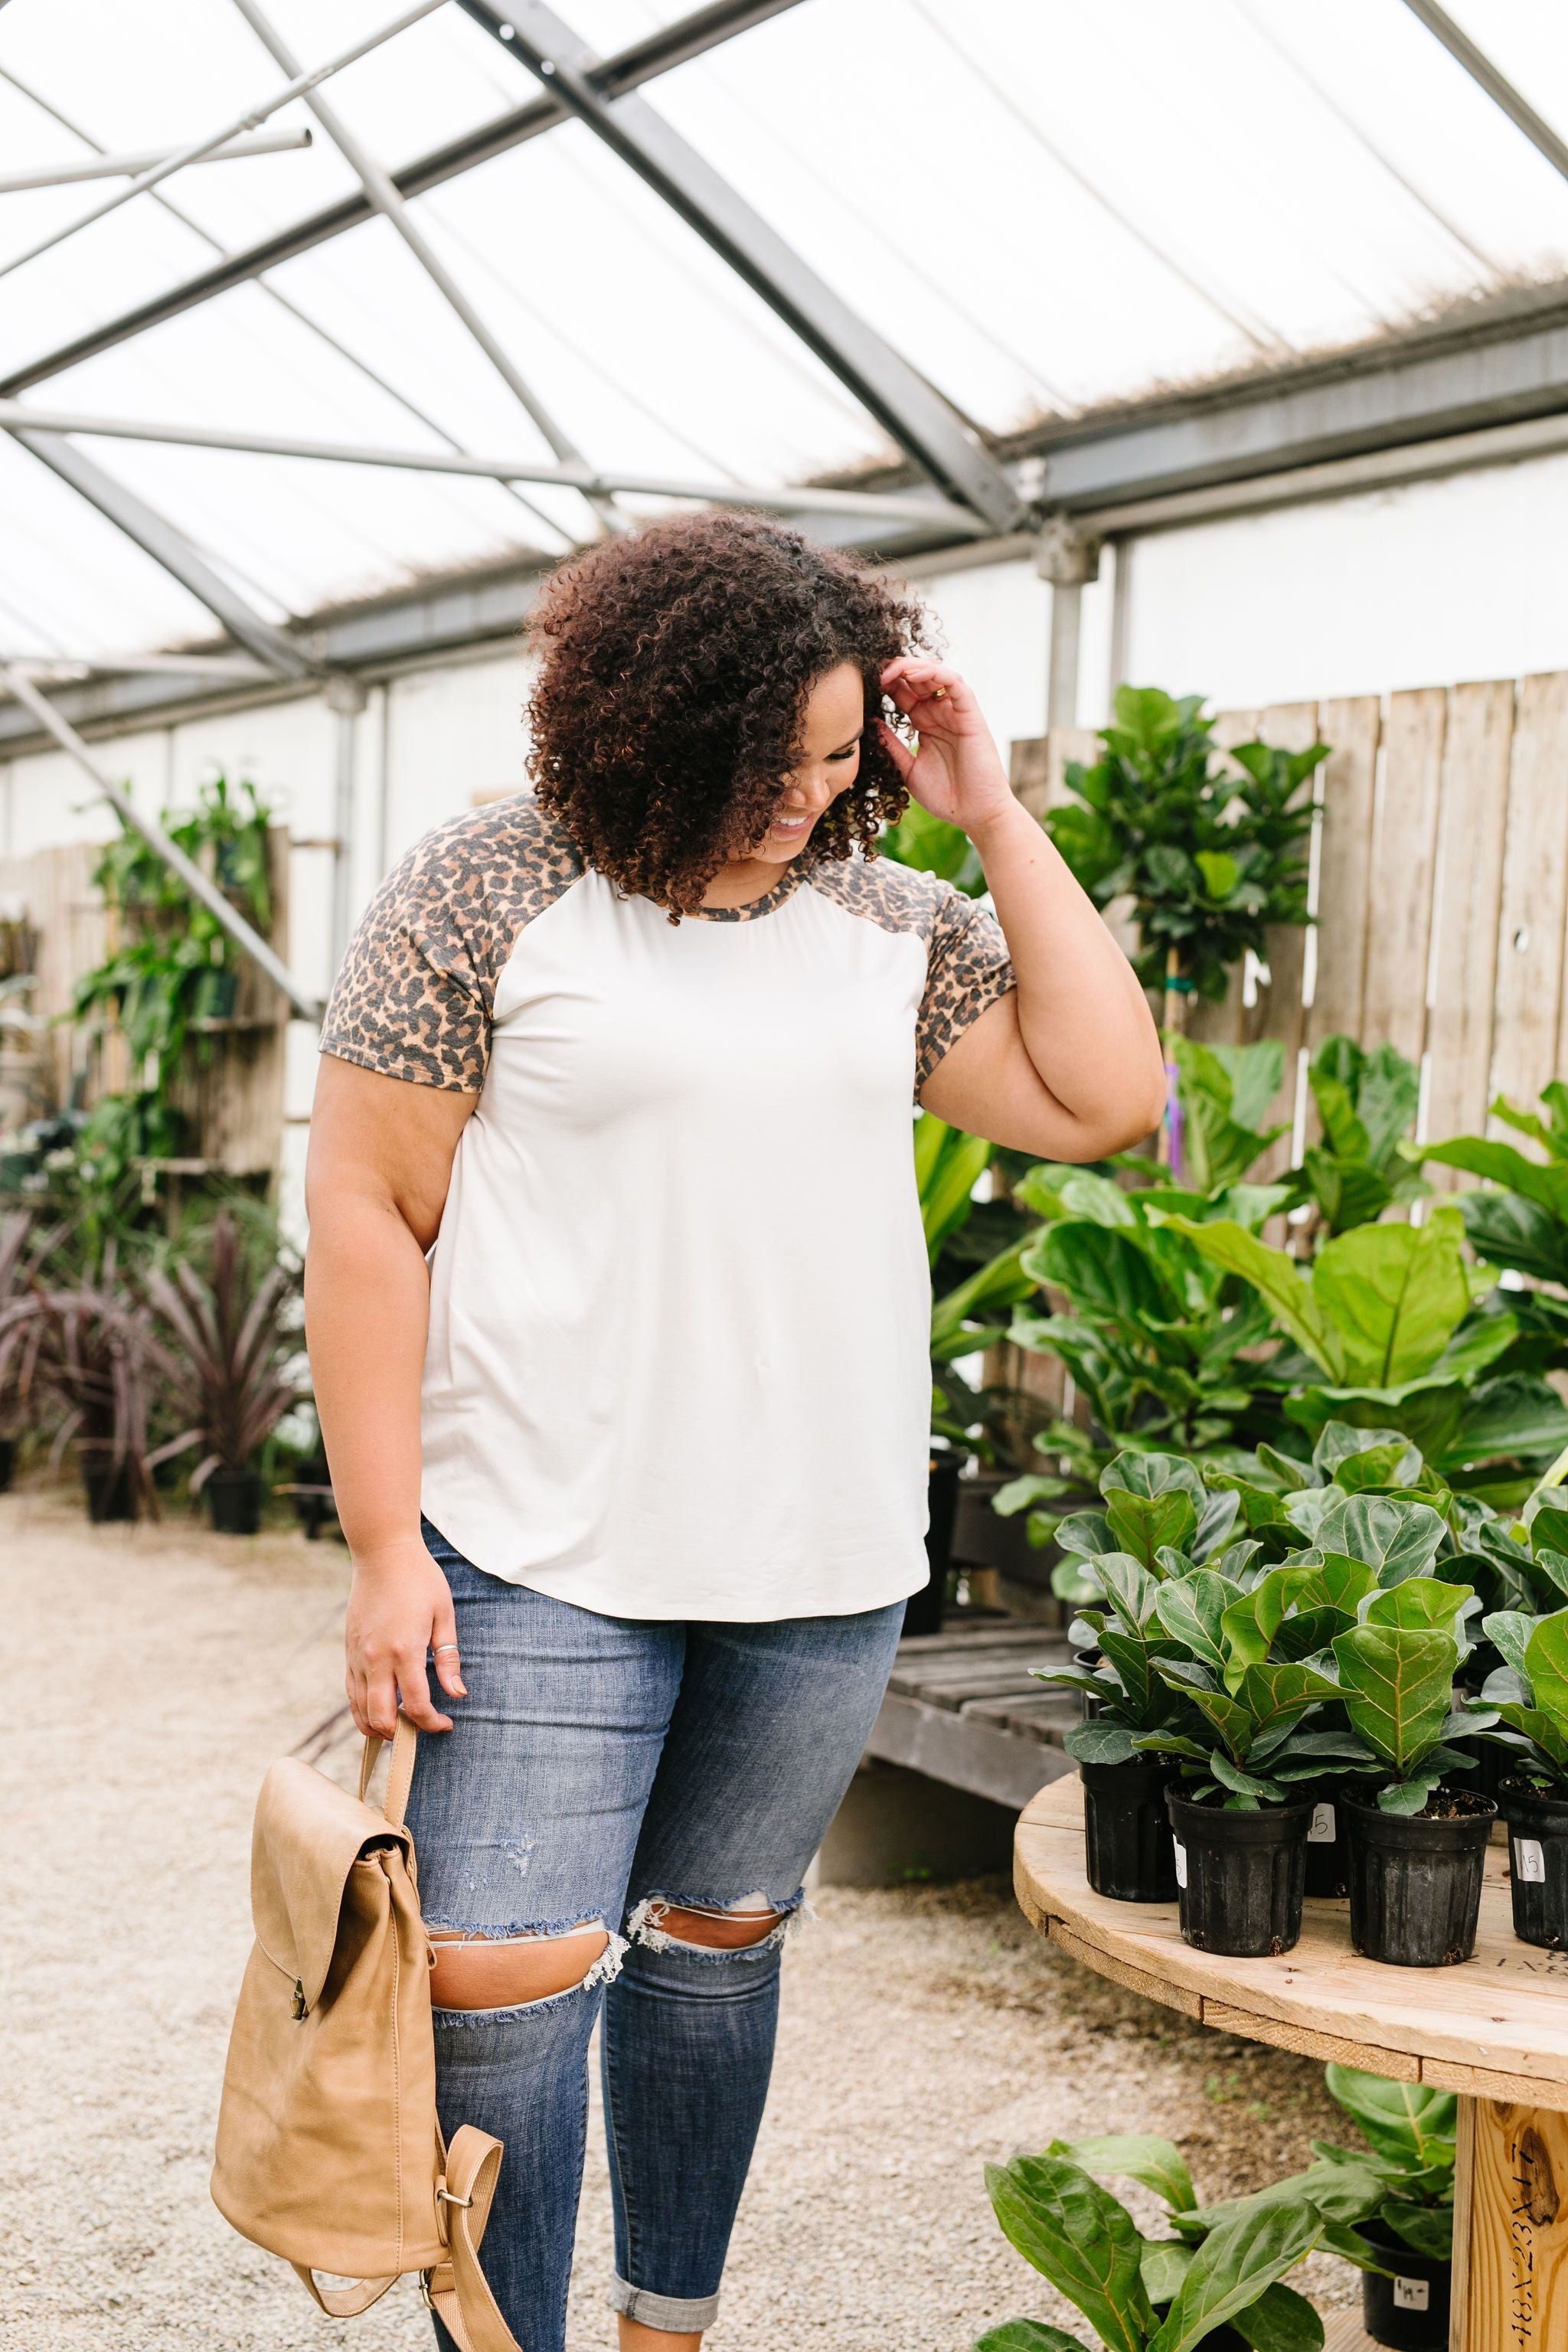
<point>226,1317</point>
<point>1127,1848</point>
<point>1417,1850</point>
<point>98,1359</point>
<point>1410,2129</point>
<point>1529,1693</point>
<point>1240,1815</point>
<point>21,1330</point>
<point>1137,2293</point>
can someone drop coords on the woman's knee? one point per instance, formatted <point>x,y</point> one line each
<point>478,1971</point>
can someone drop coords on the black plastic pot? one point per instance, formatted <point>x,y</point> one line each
<point>1240,1877</point>
<point>1127,1844</point>
<point>107,1487</point>
<point>923,1610</point>
<point>1409,2311</point>
<point>8,1462</point>
<point>1328,1845</point>
<point>1538,1862</point>
<point>234,1501</point>
<point>1415,1883</point>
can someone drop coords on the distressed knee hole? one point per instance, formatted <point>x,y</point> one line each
<point>477,1972</point>
<point>733,1927</point>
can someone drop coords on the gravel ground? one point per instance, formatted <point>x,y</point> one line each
<point>157,1672</point>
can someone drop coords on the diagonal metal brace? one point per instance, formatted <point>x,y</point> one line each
<point>884,382</point>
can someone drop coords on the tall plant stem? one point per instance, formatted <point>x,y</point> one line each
<point>1177,989</point>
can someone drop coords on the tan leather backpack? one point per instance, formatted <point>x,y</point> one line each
<point>329,2151</point>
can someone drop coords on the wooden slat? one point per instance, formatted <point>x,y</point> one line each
<point>1308,2042</point>
<point>1474,819</point>
<point>1122,1972</point>
<point>1345,865</point>
<point>1525,1052</point>
<point>1403,866</point>
<point>1516,2261</point>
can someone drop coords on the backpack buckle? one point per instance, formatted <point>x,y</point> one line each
<point>445,2197</point>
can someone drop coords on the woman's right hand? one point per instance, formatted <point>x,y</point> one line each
<point>400,1612</point>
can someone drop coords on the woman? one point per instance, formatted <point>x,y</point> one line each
<point>632,1061</point>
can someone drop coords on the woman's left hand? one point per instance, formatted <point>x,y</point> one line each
<point>956,772</point>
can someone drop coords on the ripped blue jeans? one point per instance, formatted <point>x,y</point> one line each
<point>599,1769</point>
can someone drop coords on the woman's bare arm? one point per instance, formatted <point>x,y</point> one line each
<point>1069,1066</point>
<point>380,1163</point>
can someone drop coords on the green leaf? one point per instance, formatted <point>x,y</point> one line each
<point>1190,1609</point>
<point>1507,1230</point>
<point>1277,1279</point>
<point>1232,2269</point>
<point>1154,1475</point>
<point>1221,874</point>
<point>1546,1186</point>
<point>1408,2123</point>
<point>1340,1442</point>
<point>1396,1688</point>
<point>1080,2239</point>
<point>1158,2163</point>
<point>1276,1694</point>
<point>1100,1742</point>
<point>1164,2262</point>
<point>1028,2336</point>
<point>1128,1586</point>
<point>1399,1540</point>
<point>1105,1272</point>
<point>1146,1525</point>
<point>1508,1631</point>
<point>1281,2321</point>
<point>1419,1603</point>
<point>1546,1663</point>
<point>1426,2228</point>
<point>1245,1784</point>
<point>1391,1296</point>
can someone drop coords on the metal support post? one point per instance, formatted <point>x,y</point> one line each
<point>198,884</point>
<point>346,698</point>
<point>1068,557</point>
<point>1498,87</point>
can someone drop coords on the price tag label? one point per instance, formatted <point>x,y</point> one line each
<point>1412,2294</point>
<point>1181,1864</point>
<point>1529,1861</point>
<point>1323,1830</point>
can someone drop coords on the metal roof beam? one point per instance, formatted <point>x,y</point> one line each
<point>385,194</point>
<point>1375,399</point>
<point>198,884</point>
<point>894,392</point>
<point>905,507</point>
<point>168,164</point>
<point>1497,85</point>
<point>158,538</point>
<point>118,167</point>
<point>657,52</point>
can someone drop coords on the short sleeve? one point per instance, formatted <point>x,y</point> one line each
<point>414,997</point>
<point>967,969</point>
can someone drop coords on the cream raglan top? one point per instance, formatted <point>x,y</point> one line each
<point>677,1363</point>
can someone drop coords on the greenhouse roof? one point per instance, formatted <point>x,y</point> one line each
<point>723,252</point>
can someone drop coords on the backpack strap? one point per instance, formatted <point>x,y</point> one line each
<point>343,2302</point>
<point>458,2289</point>
<point>400,1773</point>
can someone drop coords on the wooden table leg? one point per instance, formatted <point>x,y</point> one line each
<point>1510,2229</point>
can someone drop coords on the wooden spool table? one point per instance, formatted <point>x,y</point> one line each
<point>1494,2030</point>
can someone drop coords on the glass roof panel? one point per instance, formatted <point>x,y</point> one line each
<point>1043,206</point>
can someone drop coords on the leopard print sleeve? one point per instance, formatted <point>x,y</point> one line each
<point>967,969</point>
<point>416,993</point>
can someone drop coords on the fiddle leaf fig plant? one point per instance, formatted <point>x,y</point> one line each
<point>1528,1695</point>
<point>1150,2294</point>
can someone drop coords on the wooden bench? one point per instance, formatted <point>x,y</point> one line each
<point>963,1707</point>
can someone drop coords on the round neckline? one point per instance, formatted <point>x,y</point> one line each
<point>783,889</point>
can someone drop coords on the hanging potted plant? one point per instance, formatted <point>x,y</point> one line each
<point>1530,1695</point>
<point>227,1320</point>
<point>1417,1848</point>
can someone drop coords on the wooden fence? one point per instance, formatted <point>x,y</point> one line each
<point>1439,884</point>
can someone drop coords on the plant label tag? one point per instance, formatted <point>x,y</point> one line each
<point>1322,1831</point>
<point>1412,2294</point>
<point>1529,1861</point>
<point>1181,1862</point>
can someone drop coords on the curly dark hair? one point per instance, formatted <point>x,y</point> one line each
<point>676,662</point>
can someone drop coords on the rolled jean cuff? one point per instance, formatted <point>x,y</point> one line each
<point>680,2314</point>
